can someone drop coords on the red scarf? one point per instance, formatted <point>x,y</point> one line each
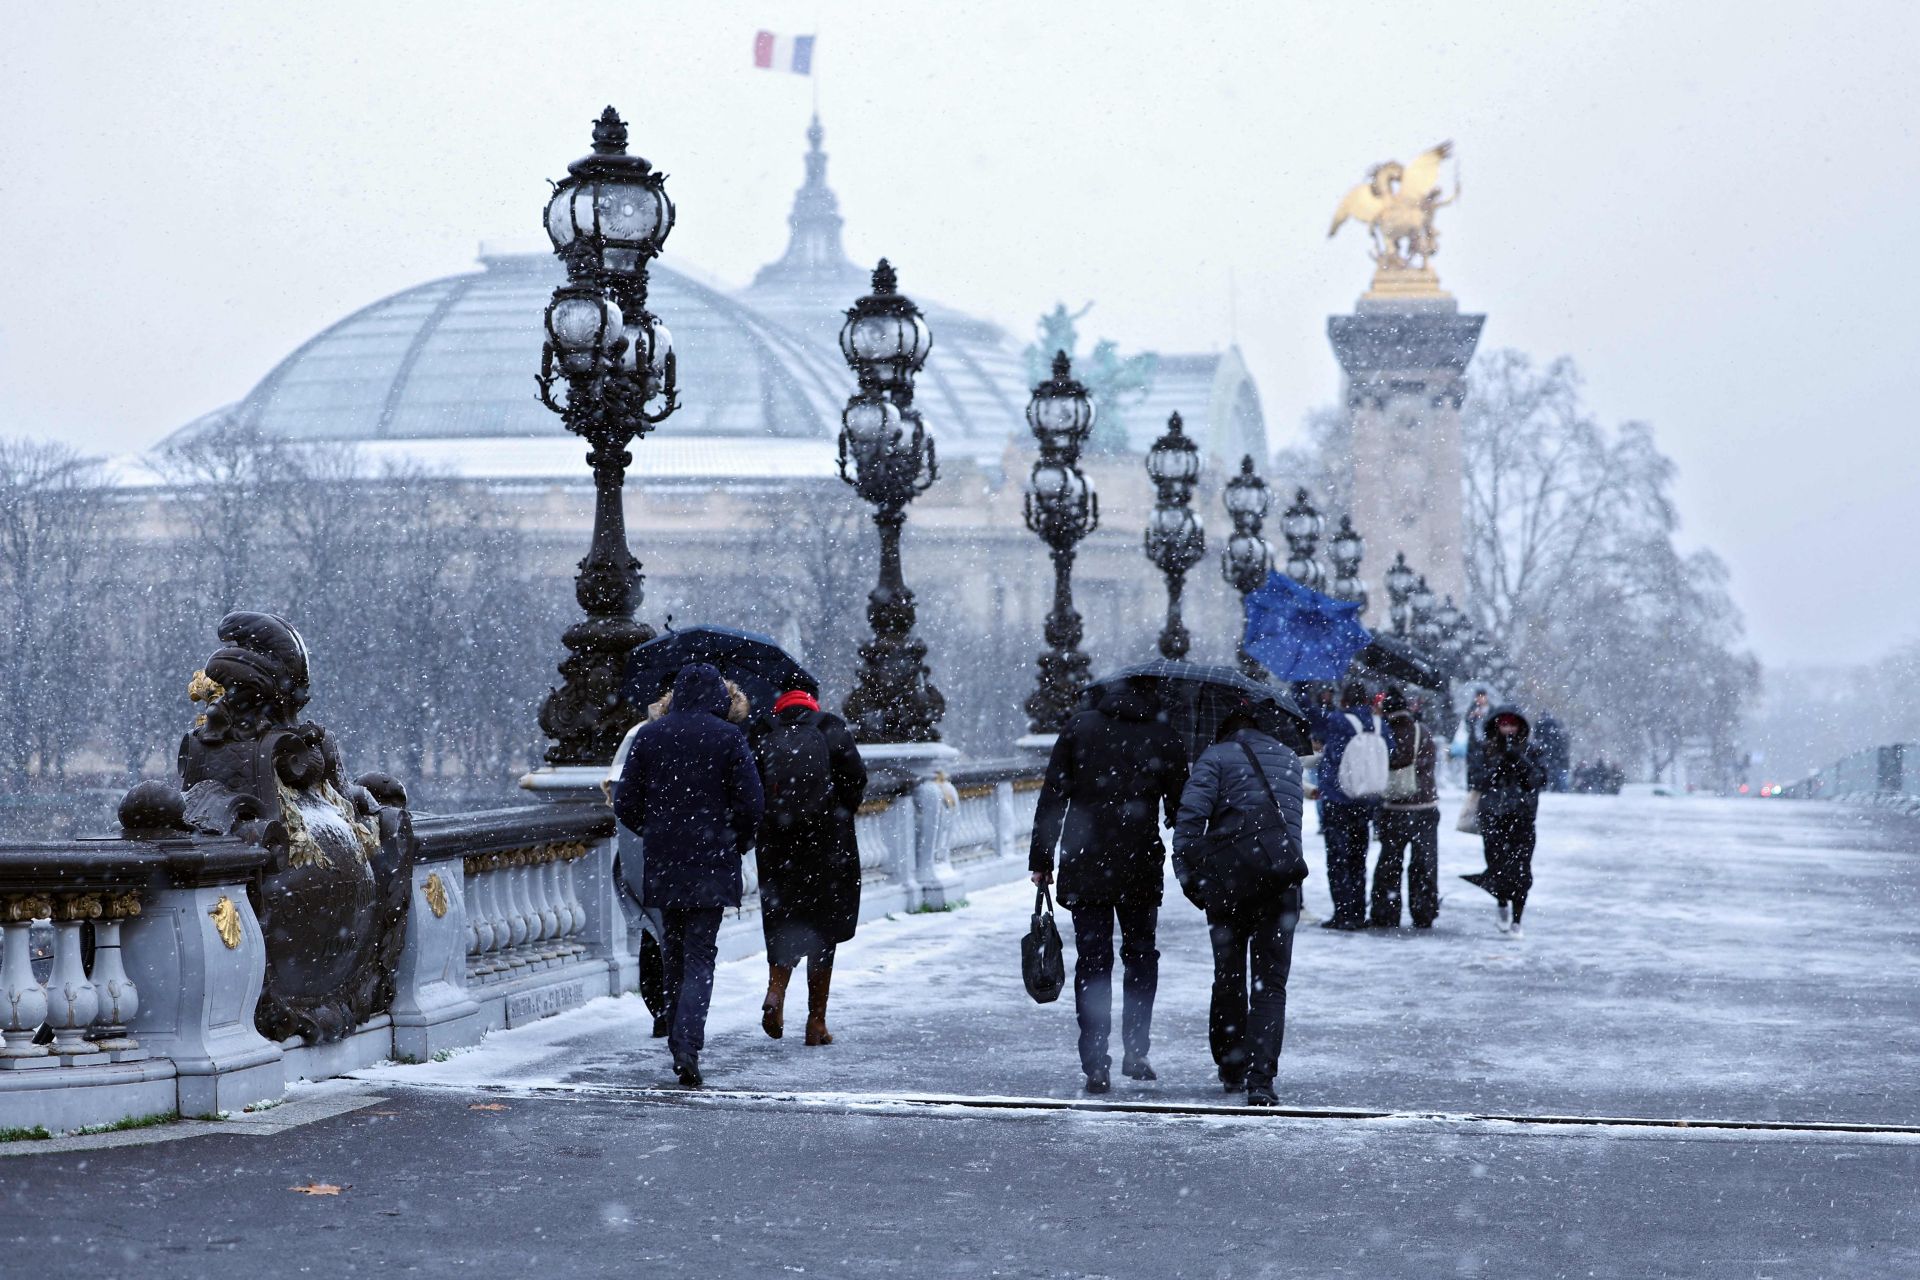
<point>796,698</point>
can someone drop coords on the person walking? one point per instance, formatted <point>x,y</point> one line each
<point>1115,768</point>
<point>813,780</point>
<point>691,792</point>
<point>1241,809</point>
<point>1347,807</point>
<point>1409,823</point>
<point>1508,777</point>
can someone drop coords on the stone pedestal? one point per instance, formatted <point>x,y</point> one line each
<point>934,802</point>
<point>1405,355</point>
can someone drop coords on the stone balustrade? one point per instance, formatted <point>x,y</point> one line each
<point>131,968</point>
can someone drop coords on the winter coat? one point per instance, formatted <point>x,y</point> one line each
<point>692,793</point>
<point>1114,770</point>
<point>1333,731</point>
<point>1508,773</point>
<point>1219,799</point>
<point>810,867</point>
<point>1417,750</point>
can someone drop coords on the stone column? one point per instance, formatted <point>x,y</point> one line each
<point>1405,359</point>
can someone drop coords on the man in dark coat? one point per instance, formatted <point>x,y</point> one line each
<point>1508,776</point>
<point>1114,770</point>
<point>808,857</point>
<point>1409,823</point>
<point>1345,821</point>
<point>1221,815</point>
<point>691,792</point>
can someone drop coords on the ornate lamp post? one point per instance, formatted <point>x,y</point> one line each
<point>608,218</point>
<point>1302,525</point>
<point>1062,508</point>
<point>1248,558</point>
<point>1347,549</point>
<point>1449,636</point>
<point>886,341</point>
<point>1175,538</point>
<point>1420,610</point>
<point>1400,583</point>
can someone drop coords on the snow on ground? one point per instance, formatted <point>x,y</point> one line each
<point>1684,957</point>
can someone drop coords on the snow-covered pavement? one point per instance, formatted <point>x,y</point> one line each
<point>1684,957</point>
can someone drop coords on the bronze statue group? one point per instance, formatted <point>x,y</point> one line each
<point>700,786</point>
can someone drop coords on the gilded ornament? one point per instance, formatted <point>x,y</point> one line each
<point>226,922</point>
<point>436,894</point>
<point>77,906</point>
<point>123,906</point>
<point>23,907</point>
<point>1397,203</point>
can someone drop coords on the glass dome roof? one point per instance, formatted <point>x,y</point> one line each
<point>455,358</point>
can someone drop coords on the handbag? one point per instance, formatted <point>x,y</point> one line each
<point>1240,870</point>
<point>1043,965</point>
<point>1469,820</point>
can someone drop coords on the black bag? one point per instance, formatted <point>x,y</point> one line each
<point>1043,965</point>
<point>796,771</point>
<point>1242,871</point>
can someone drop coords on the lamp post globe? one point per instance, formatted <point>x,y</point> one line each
<point>1399,580</point>
<point>1302,524</point>
<point>1062,509</point>
<point>1348,548</point>
<point>1175,538</point>
<point>888,457</point>
<point>1248,558</point>
<point>607,369</point>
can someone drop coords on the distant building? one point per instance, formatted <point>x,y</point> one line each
<point>440,376</point>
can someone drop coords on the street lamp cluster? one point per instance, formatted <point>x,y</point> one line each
<point>608,219</point>
<point>1062,508</point>
<point>886,342</point>
<point>608,370</point>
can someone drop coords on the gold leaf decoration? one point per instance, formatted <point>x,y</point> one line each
<point>436,893</point>
<point>226,922</point>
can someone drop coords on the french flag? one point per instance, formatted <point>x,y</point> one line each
<point>783,53</point>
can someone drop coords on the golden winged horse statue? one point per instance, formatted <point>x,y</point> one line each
<point>1397,202</point>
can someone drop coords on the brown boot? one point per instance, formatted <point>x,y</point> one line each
<point>773,1008</point>
<point>819,979</point>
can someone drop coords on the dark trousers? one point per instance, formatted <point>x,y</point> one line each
<point>1246,1030</point>
<point>688,953</point>
<point>1346,827</point>
<point>1093,979</point>
<point>1509,845</point>
<point>1401,831</point>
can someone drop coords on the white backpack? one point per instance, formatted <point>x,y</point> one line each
<point>1363,765</point>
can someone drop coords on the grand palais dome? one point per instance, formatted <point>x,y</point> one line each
<point>442,373</point>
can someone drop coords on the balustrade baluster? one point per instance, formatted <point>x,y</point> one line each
<point>71,1000</point>
<point>546,906</point>
<point>23,1001</point>
<point>119,998</point>
<point>570,890</point>
<point>519,918</point>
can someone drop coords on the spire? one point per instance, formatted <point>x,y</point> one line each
<point>814,255</point>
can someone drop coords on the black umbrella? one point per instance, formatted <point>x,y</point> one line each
<point>761,668</point>
<point>1197,698</point>
<point>1395,659</point>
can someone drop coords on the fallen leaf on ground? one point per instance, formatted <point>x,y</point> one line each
<point>489,1106</point>
<point>318,1189</point>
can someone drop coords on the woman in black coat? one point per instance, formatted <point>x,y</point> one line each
<point>1508,775</point>
<point>1115,769</point>
<point>808,856</point>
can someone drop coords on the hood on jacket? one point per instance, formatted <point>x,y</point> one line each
<point>1122,703</point>
<point>1505,712</point>
<point>699,687</point>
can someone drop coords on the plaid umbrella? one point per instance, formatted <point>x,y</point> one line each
<point>1197,697</point>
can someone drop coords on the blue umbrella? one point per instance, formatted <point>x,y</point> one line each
<point>1298,634</point>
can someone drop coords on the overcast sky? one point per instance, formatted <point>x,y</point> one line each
<point>1710,206</point>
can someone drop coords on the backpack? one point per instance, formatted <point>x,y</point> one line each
<point>796,770</point>
<point>1363,765</point>
<point>1242,872</point>
<point>1404,784</point>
